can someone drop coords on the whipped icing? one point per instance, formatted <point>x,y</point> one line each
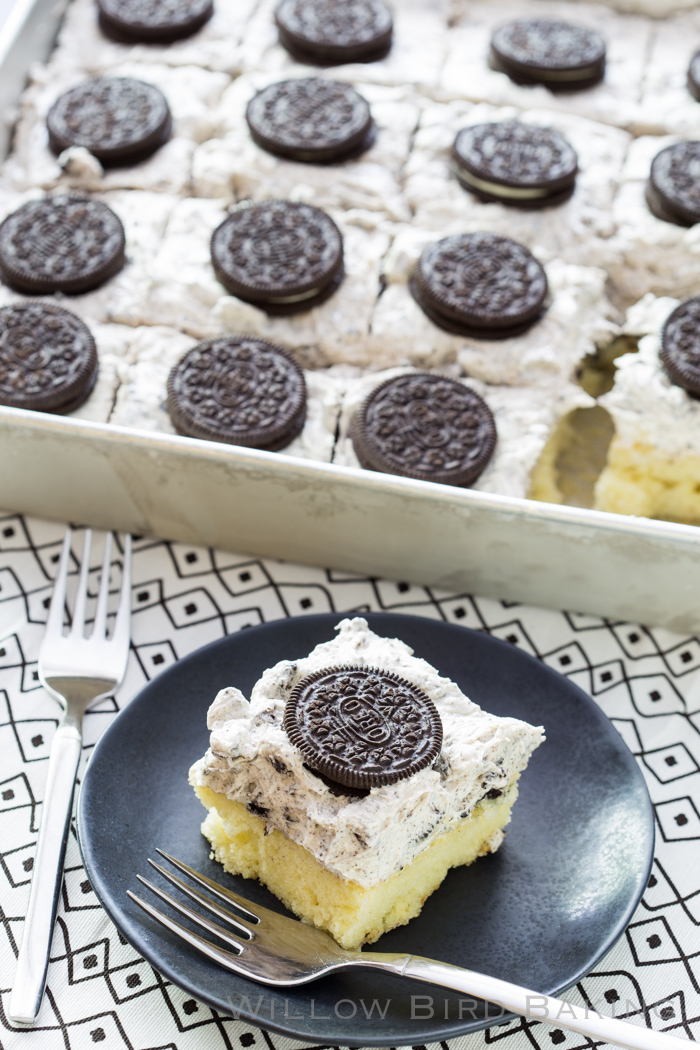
<point>82,45</point>
<point>648,254</point>
<point>113,342</point>
<point>616,100</point>
<point>646,407</point>
<point>186,293</point>
<point>416,56</point>
<point>576,231</point>
<point>140,391</point>
<point>525,419</point>
<point>232,165</point>
<point>365,840</point>
<point>123,298</point>
<point>666,103</point>
<point>192,94</point>
<point>578,318</point>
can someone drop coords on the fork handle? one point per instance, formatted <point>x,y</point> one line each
<point>47,877</point>
<point>540,1007</point>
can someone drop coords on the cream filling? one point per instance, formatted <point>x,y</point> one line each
<point>302,297</point>
<point>498,189</point>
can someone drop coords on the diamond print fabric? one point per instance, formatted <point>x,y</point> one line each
<point>100,994</point>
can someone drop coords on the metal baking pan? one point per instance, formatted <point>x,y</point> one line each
<point>274,505</point>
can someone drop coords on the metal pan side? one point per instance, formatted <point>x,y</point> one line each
<point>27,36</point>
<point>273,505</point>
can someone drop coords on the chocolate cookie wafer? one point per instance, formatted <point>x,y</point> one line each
<point>153,21</point>
<point>517,164</point>
<point>363,727</point>
<point>60,244</point>
<point>240,390</point>
<point>561,55</point>
<point>48,359</point>
<point>480,284</point>
<point>330,32</point>
<point>673,189</point>
<point>693,79</point>
<point>425,426</point>
<point>680,346</point>
<point>312,120</point>
<point>281,256</point>
<point>119,119</point>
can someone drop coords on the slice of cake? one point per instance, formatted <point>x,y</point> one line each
<point>530,424</point>
<point>354,779</point>
<point>654,459</point>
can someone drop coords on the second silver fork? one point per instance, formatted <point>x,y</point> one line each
<point>284,952</point>
<point>76,671</point>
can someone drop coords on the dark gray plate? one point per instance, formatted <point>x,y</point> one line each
<point>540,912</point>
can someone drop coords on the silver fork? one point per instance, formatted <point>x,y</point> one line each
<point>76,670</point>
<point>279,951</point>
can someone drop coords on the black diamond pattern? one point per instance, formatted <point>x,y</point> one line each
<point>101,993</point>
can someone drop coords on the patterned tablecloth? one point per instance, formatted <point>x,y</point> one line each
<point>100,993</point>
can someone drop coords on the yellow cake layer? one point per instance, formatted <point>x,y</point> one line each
<point>640,480</point>
<point>573,458</point>
<point>353,914</point>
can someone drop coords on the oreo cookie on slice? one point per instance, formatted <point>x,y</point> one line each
<point>281,256</point>
<point>240,390</point>
<point>363,727</point>
<point>311,120</point>
<point>563,56</point>
<point>516,164</point>
<point>118,119</point>
<point>153,21</point>
<point>480,285</point>
<point>425,426</point>
<point>60,244</point>
<point>48,359</point>
<point>330,32</point>
<point>673,189</point>
<point>680,346</point>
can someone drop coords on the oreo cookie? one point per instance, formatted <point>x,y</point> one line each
<point>60,244</point>
<point>693,79</point>
<point>119,119</point>
<point>153,21</point>
<point>425,426</point>
<point>563,56</point>
<point>680,346</point>
<point>673,189</point>
<point>281,256</point>
<point>330,32</point>
<point>481,285</point>
<point>240,390</point>
<point>517,164</point>
<point>311,120</point>
<point>48,359</point>
<point>363,727</point>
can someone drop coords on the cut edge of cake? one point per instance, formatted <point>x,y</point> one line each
<point>351,913</point>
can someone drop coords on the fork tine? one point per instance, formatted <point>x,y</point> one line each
<point>78,627</point>
<point>98,630</point>
<point>211,927</point>
<point>122,628</point>
<point>220,891</point>
<point>212,906</point>
<point>226,959</point>
<point>54,621</point>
